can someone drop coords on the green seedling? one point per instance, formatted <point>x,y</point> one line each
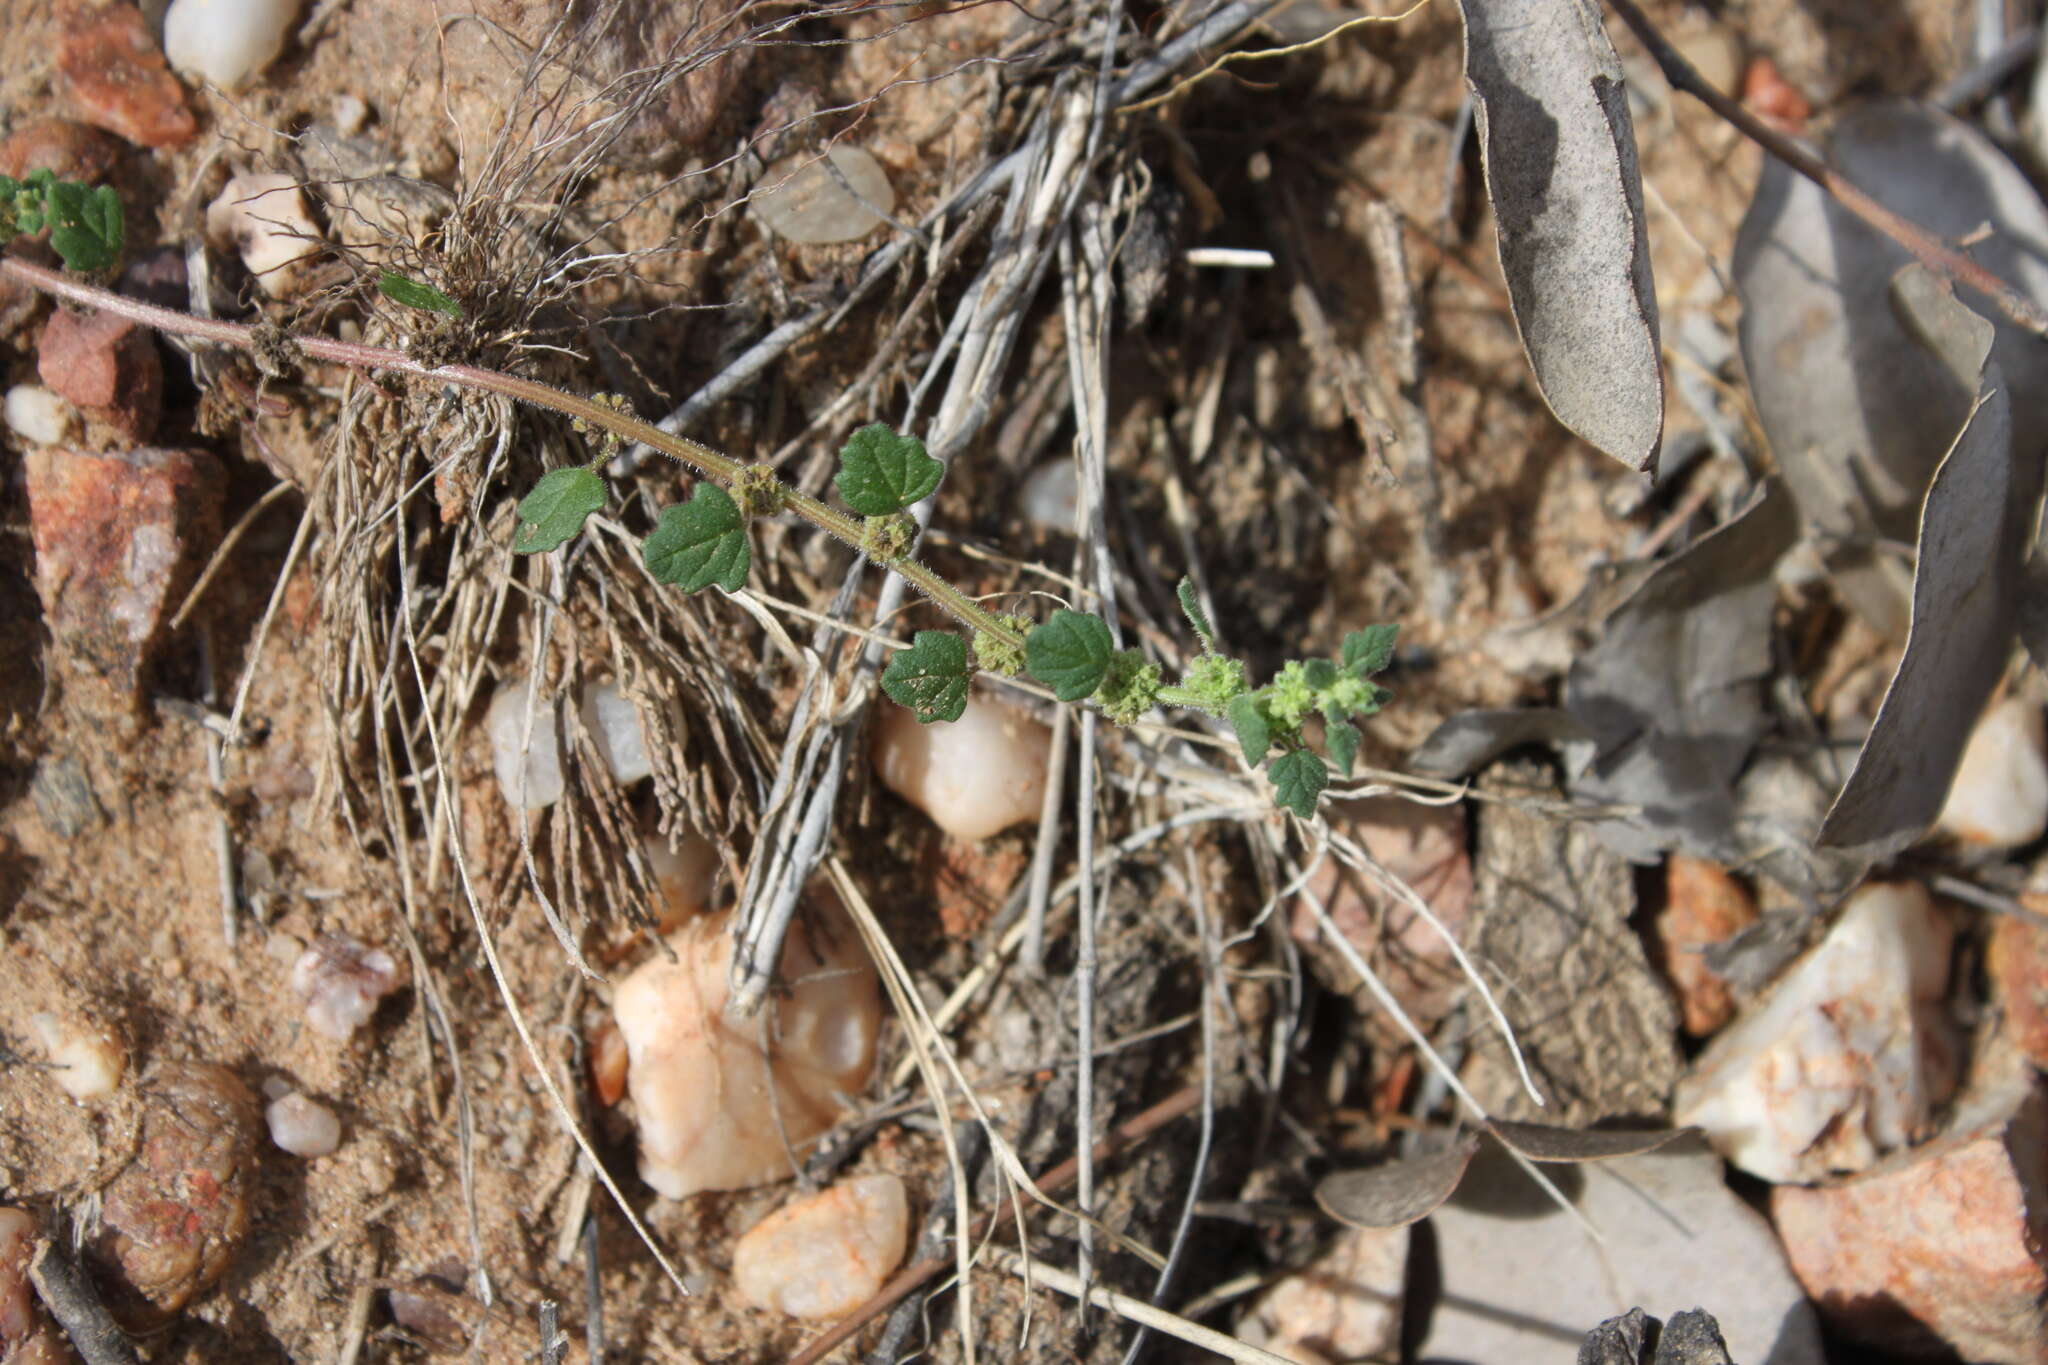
<point>85,223</point>
<point>882,474</point>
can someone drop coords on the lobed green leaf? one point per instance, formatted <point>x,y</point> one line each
<point>413,294</point>
<point>882,472</point>
<point>1070,654</point>
<point>1368,651</point>
<point>704,541</point>
<point>556,509</point>
<point>930,678</point>
<point>85,222</point>
<point>1298,781</point>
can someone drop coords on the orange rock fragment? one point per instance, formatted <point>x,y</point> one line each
<point>114,75</point>
<point>1703,906</point>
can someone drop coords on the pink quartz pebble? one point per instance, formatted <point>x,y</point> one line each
<point>341,979</point>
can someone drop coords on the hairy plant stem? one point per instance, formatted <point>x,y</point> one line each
<point>722,469</point>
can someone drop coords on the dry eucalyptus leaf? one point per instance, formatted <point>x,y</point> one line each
<point>1560,155</point>
<point>1857,411</point>
<point>1397,1193</point>
<point>1673,689</point>
<point>1966,587</point>
<point>1543,1142</point>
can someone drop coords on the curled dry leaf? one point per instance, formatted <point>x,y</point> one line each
<point>1672,692</point>
<point>1398,1192</point>
<point>1560,157</point>
<point>1966,588</point>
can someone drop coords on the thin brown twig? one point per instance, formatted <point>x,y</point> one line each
<point>1926,247</point>
<point>1127,1134</point>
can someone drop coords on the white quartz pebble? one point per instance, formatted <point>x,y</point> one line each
<point>975,776</point>
<point>226,42</point>
<point>301,1126</point>
<point>85,1060</point>
<point>536,782</point>
<point>825,1254</point>
<point>264,218</point>
<point>614,725</point>
<point>817,200</point>
<point>714,1113</point>
<point>2000,796</point>
<point>1846,1058</point>
<point>341,980</point>
<point>36,414</point>
<point>1049,497</point>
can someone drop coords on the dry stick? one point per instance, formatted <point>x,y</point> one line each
<point>1126,1135</point>
<point>801,833</point>
<point>1925,247</point>
<point>1085,374</point>
<point>72,1301</point>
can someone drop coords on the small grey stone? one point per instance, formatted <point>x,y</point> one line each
<point>63,794</point>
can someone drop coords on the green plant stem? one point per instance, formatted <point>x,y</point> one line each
<point>722,469</point>
<point>1186,700</point>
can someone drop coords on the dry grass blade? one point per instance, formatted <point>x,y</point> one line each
<point>1542,1142</point>
<point>1138,1311</point>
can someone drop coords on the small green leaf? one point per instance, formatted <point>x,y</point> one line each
<point>413,294</point>
<point>1342,737</point>
<point>1298,780</point>
<point>555,510</point>
<point>84,223</point>
<point>702,542</point>
<point>1191,605</point>
<point>930,678</point>
<point>1070,653</point>
<point>1368,651</point>
<point>881,472</point>
<point>1254,735</point>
